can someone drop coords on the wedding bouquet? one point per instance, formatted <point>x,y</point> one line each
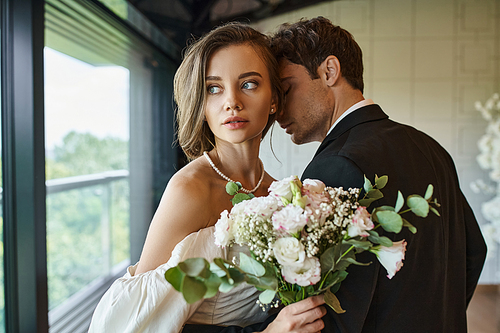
<point>302,237</point>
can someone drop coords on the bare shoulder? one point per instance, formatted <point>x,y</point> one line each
<point>183,209</point>
<point>186,197</point>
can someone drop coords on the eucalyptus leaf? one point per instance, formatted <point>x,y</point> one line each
<point>384,241</point>
<point>223,266</point>
<point>388,208</point>
<point>239,197</point>
<point>174,276</point>
<point>225,287</point>
<point>195,267</point>
<point>375,194</point>
<point>193,289</point>
<point>390,221</point>
<point>251,195</point>
<point>251,266</point>
<point>366,202</point>
<point>333,302</point>
<point>231,188</point>
<point>217,270</point>
<point>367,185</point>
<point>419,206</point>
<point>267,296</point>
<point>236,275</point>
<point>409,226</point>
<point>361,244</point>
<point>434,210</point>
<point>212,284</point>
<point>263,282</point>
<point>428,193</point>
<point>399,202</point>
<point>381,182</point>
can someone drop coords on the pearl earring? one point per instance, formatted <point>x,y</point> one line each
<point>272,111</point>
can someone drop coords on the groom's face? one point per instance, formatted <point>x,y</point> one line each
<point>305,114</point>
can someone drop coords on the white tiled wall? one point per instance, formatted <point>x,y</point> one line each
<point>426,63</point>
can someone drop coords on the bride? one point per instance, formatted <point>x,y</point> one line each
<point>228,92</point>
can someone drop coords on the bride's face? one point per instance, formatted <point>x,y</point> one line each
<point>239,94</point>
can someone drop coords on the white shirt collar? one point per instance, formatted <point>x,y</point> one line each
<point>353,108</point>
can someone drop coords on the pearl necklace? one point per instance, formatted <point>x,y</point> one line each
<point>230,180</point>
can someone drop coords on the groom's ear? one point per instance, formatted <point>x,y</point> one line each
<point>329,70</point>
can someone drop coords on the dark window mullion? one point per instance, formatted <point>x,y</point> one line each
<point>24,166</point>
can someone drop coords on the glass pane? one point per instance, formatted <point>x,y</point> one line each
<point>87,163</point>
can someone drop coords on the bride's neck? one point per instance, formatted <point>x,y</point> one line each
<point>241,165</point>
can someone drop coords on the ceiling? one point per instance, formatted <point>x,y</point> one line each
<point>179,19</point>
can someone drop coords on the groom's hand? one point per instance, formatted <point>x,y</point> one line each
<point>301,317</point>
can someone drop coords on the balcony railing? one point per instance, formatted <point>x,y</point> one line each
<point>74,314</point>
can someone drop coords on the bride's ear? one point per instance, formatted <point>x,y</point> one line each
<point>329,70</point>
<point>273,106</point>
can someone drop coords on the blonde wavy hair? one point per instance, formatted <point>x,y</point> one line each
<point>193,134</point>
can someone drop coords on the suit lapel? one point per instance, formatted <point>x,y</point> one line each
<point>362,115</point>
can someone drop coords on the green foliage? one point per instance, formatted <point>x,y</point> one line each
<point>74,234</point>
<point>232,188</point>
<point>418,205</point>
<point>196,279</point>
<point>389,220</point>
<point>333,302</point>
<point>83,153</point>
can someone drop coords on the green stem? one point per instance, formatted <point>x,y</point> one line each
<point>324,279</point>
<point>405,211</point>
<point>343,255</point>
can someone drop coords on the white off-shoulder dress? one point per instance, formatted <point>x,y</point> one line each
<point>148,303</point>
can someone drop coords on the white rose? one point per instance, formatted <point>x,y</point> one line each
<point>391,257</point>
<point>307,274</point>
<point>281,188</point>
<point>223,230</point>
<point>289,251</point>
<point>261,206</point>
<point>361,223</point>
<point>291,219</point>
<point>313,185</point>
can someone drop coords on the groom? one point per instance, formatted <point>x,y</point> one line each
<point>322,73</point>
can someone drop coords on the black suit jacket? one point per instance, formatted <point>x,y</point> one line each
<point>443,259</point>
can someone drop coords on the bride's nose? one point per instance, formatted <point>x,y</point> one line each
<point>232,101</point>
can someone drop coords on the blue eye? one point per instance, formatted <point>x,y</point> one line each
<point>213,90</point>
<point>249,85</point>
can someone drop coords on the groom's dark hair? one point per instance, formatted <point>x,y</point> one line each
<point>309,42</point>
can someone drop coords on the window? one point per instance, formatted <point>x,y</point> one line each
<point>108,152</point>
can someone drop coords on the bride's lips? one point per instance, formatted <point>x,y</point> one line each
<point>235,122</point>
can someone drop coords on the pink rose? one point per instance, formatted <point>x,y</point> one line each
<point>361,223</point>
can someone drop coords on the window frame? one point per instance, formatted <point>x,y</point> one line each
<point>23,156</point>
